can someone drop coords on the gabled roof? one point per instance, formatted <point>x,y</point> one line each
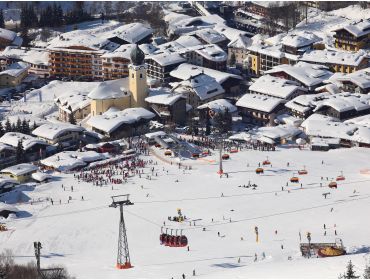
<point>12,139</point>
<point>114,118</point>
<point>20,169</point>
<point>259,102</point>
<point>202,85</point>
<point>110,90</point>
<point>306,73</point>
<point>167,58</point>
<point>219,105</point>
<point>163,96</point>
<point>275,87</point>
<point>357,29</point>
<point>185,70</point>
<point>334,57</point>
<point>52,131</point>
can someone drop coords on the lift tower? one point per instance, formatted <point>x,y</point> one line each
<point>123,257</point>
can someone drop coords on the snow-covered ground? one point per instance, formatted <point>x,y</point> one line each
<point>323,23</point>
<point>39,103</point>
<point>83,234</point>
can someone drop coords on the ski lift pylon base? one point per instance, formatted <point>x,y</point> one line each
<point>124,266</point>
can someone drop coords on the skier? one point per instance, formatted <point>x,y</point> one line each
<point>324,226</point>
<point>188,248</point>
<point>218,233</point>
<point>193,272</point>
<point>183,276</point>
<point>255,257</point>
<point>239,260</point>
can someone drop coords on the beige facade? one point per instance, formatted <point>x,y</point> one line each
<point>138,86</point>
<point>7,80</point>
<point>99,106</point>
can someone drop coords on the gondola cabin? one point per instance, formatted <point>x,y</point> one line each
<point>225,156</point>
<point>233,150</point>
<point>195,155</point>
<point>341,178</point>
<point>168,153</point>
<point>157,145</point>
<point>333,185</point>
<point>294,179</point>
<point>259,170</point>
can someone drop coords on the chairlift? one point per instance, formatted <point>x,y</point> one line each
<point>266,162</point>
<point>303,171</point>
<point>333,185</point>
<point>259,170</point>
<point>341,177</point>
<point>294,179</point>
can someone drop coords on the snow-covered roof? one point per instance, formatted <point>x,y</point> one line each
<point>274,51</point>
<point>132,32</point>
<point>269,4</point>
<point>300,39</point>
<point>15,69</point>
<point>279,131</point>
<point>361,78</point>
<point>188,41</point>
<point>6,182</point>
<point>68,160</point>
<point>7,34</point>
<point>180,25</point>
<point>165,59</point>
<point>259,102</point>
<point>114,118</point>
<point>52,131</point>
<point>274,86</point>
<point>202,85</point>
<point>219,105</point>
<point>28,141</point>
<point>240,42</point>
<point>340,102</point>
<point>20,169</point>
<point>6,147</point>
<point>40,176</point>
<point>37,56</point>
<point>110,90</point>
<point>8,207</point>
<point>151,135</point>
<point>123,51</point>
<point>210,36</point>
<point>185,70</point>
<point>335,129</point>
<point>363,120</point>
<point>306,73</point>
<point>357,29</point>
<point>212,52</point>
<point>229,32</point>
<point>77,38</point>
<point>334,57</point>
<point>163,96</point>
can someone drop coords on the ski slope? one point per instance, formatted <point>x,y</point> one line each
<point>82,235</point>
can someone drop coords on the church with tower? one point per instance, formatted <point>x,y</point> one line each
<point>123,93</point>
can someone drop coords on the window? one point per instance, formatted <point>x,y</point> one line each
<point>132,75</point>
<point>141,75</point>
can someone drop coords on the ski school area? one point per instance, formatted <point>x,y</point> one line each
<point>269,213</point>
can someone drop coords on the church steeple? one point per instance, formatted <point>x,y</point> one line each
<point>137,78</point>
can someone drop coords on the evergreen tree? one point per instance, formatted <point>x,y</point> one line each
<point>20,152</point>
<point>367,272</point>
<point>18,127</point>
<point>2,22</point>
<point>34,125</point>
<point>350,273</point>
<point>25,127</point>
<point>14,128</point>
<point>1,129</point>
<point>8,126</point>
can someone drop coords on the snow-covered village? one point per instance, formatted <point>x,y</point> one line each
<point>184,139</point>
